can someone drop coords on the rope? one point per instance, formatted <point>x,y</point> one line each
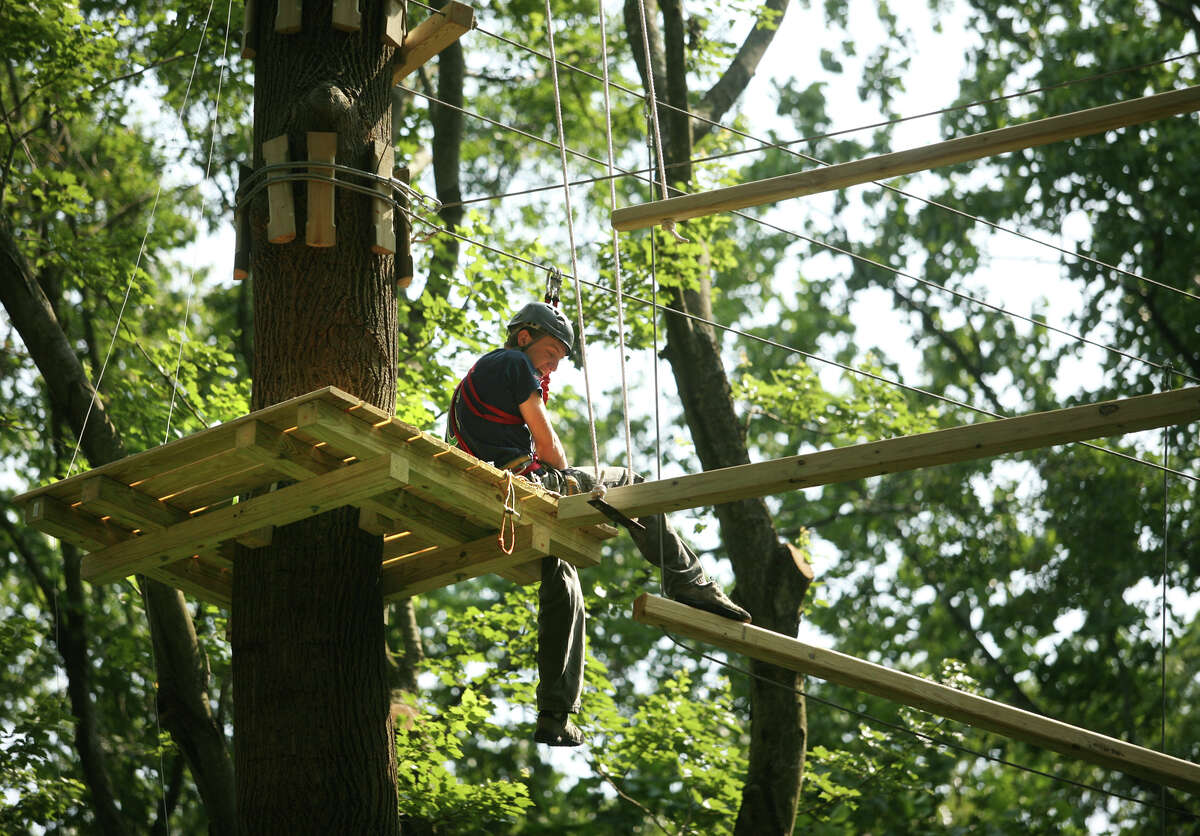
<point>654,305</point>
<point>203,207</point>
<point>926,282</point>
<point>652,107</point>
<point>616,246</point>
<point>141,252</point>
<point>562,148</point>
<point>508,516</point>
<point>785,146</point>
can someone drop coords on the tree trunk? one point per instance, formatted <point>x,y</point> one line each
<point>772,578</point>
<point>315,746</point>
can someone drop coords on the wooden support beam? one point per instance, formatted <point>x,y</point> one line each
<point>346,16</point>
<point>288,16</point>
<point>1015,137</point>
<point>434,34</point>
<point>281,225</point>
<point>128,506</point>
<point>199,579</point>
<point>403,233</point>
<point>410,576</point>
<point>205,532</point>
<point>382,210</point>
<point>60,520</point>
<point>394,23</point>
<point>321,230</point>
<point>249,33</point>
<point>907,689</point>
<point>895,455</point>
<point>241,227</point>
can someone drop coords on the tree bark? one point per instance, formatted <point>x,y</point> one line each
<point>315,750</point>
<point>770,582</point>
<point>201,737</point>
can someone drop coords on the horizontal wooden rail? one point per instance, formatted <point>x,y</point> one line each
<point>433,35</point>
<point>958,444</point>
<point>907,689</point>
<point>1013,138</point>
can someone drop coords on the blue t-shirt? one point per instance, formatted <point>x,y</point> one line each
<point>486,412</point>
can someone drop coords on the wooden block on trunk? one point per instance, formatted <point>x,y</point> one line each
<point>281,226</point>
<point>346,16</point>
<point>382,209</point>
<point>321,232</point>
<point>249,31</point>
<point>288,16</point>
<point>395,22</point>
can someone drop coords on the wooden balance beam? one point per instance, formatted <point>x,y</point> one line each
<point>894,455</point>
<point>1013,138</point>
<point>915,691</point>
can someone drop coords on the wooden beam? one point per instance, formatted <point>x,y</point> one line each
<point>346,15</point>
<point>1015,137</point>
<point>321,230</point>
<point>288,15</point>
<point>907,689</point>
<point>394,22</point>
<point>895,455</point>
<point>408,576</point>
<point>434,34</point>
<point>382,219</point>
<point>281,223</point>
<point>205,532</point>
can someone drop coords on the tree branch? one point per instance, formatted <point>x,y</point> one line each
<point>721,96</point>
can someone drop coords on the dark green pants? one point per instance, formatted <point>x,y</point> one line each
<point>561,615</point>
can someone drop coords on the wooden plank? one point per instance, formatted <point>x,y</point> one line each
<point>102,495</point>
<point>281,223</point>
<point>174,462</point>
<point>443,483</point>
<point>972,441</point>
<point>198,579</point>
<point>282,453</point>
<point>346,16</point>
<point>394,22</point>
<point>907,689</point>
<point>288,16</point>
<point>413,575</point>
<point>977,146</point>
<point>321,230</point>
<point>403,235</point>
<point>384,157</point>
<point>287,505</point>
<point>60,520</point>
<point>434,34</point>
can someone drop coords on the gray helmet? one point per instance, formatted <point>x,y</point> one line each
<point>547,319</point>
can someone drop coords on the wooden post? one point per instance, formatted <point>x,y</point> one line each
<point>977,146</point>
<point>395,22</point>
<point>434,34</point>
<point>777,649</point>
<point>381,209</point>
<point>346,16</point>
<point>321,230</point>
<point>288,16</point>
<point>281,225</point>
<point>404,261</point>
<point>249,32</point>
<point>241,227</point>
<point>958,444</point>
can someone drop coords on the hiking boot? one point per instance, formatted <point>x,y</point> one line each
<point>555,728</point>
<point>708,596</point>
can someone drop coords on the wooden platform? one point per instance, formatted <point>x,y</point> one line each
<point>174,512</point>
<point>907,689</point>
